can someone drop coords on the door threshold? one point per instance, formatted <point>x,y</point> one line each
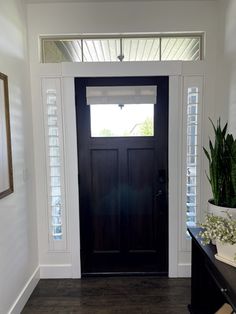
<point>124,274</point>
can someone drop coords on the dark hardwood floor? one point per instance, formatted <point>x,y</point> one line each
<point>110,295</point>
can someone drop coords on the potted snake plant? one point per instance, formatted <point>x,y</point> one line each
<point>222,171</point>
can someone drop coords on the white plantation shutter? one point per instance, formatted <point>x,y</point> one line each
<point>192,150</point>
<point>55,163</point>
<point>192,154</point>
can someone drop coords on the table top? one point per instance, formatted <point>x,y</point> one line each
<point>225,271</point>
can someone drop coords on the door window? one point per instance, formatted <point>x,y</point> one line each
<point>122,120</point>
<point>121,110</point>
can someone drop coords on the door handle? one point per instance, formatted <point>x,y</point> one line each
<point>159,193</point>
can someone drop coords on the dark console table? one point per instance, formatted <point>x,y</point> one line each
<point>213,282</point>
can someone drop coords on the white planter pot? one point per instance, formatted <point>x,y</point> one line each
<point>226,253</point>
<point>221,211</point>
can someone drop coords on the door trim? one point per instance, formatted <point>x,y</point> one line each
<point>176,70</point>
<point>173,165</point>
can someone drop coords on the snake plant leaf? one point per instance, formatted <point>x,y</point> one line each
<point>207,154</point>
<point>224,130</point>
<point>213,124</point>
<point>212,149</point>
<point>208,177</point>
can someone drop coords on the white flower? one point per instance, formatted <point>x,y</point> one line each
<point>218,228</point>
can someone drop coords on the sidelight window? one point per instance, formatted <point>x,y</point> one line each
<point>193,150</point>
<point>192,154</point>
<point>54,161</point>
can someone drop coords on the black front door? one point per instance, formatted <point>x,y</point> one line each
<point>123,188</point>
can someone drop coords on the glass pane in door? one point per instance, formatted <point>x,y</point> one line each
<point>122,120</point>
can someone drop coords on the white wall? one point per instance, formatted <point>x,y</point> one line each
<point>227,74</point>
<point>18,236</point>
<point>117,17</point>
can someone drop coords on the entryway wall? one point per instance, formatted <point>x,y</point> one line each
<point>118,17</point>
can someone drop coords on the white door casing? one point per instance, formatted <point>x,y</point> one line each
<point>67,264</point>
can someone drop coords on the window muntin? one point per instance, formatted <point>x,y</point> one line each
<point>183,47</point>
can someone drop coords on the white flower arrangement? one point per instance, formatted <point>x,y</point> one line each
<point>218,228</point>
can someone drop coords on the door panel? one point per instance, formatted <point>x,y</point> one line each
<point>123,189</point>
<point>141,199</point>
<point>105,200</point>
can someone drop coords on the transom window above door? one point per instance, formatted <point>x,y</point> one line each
<point>126,47</point>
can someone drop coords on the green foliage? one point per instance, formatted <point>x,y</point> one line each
<point>222,167</point>
<point>105,132</point>
<point>146,128</point>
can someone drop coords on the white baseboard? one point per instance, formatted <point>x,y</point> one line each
<point>25,293</point>
<point>55,271</point>
<point>184,270</point>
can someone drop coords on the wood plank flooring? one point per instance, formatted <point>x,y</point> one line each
<point>110,295</point>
